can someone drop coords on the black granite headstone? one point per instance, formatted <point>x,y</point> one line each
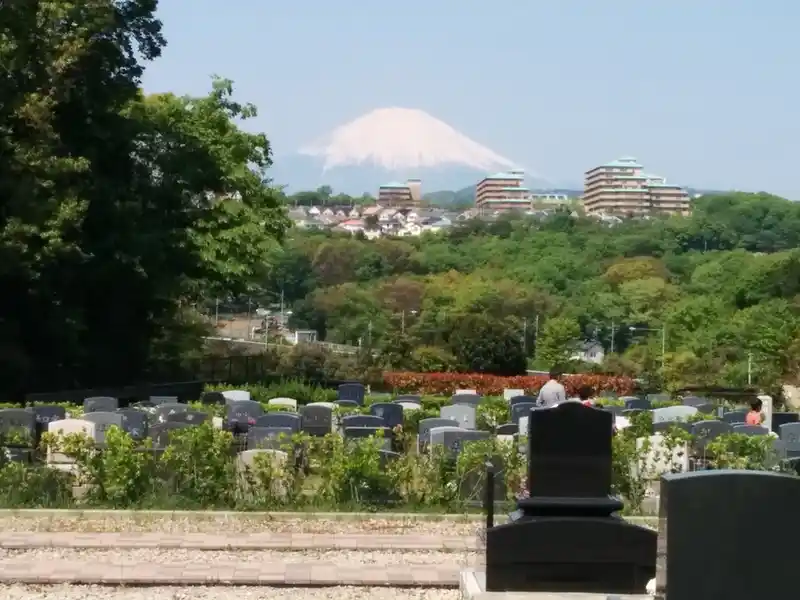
<point>565,537</point>
<point>712,527</point>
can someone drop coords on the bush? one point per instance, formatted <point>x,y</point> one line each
<point>492,385</point>
<point>432,359</point>
<point>486,345</point>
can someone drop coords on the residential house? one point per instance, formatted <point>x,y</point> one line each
<point>354,214</point>
<point>351,225</point>
<point>314,211</point>
<point>592,352</point>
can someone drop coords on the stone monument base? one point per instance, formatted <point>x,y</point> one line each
<point>472,584</point>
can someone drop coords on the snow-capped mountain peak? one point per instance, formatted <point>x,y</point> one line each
<point>402,139</point>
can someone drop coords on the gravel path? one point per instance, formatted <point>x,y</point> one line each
<point>244,524</point>
<point>69,592</point>
<point>198,557</point>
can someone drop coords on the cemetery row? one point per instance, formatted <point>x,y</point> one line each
<point>299,450</point>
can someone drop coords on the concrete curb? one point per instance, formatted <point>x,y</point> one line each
<point>42,513</point>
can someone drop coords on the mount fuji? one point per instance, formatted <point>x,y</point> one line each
<point>391,144</point>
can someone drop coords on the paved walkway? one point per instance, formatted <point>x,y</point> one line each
<point>236,541</point>
<point>318,574</point>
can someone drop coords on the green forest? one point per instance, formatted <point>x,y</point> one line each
<point>712,299</point>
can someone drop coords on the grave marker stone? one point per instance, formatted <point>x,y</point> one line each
<point>782,418</point>
<point>67,427</point>
<point>392,414</point>
<point>190,417</point>
<point>45,414</point>
<point>469,399</point>
<point>291,421</point>
<point>103,421</point>
<point>17,426</point>
<point>100,404</point>
<point>564,538</point>
<point>271,438</point>
<point>735,417</point>
<point>352,391</point>
<point>463,414</point>
<point>509,394</point>
<point>790,432</point>
<point>162,411</point>
<point>317,419</point>
<point>673,413</point>
<point>236,396</point>
<point>160,433</point>
<point>134,422</point>
<point>523,409</point>
<point>362,421</point>
<point>522,399</point>
<point>287,403</point>
<point>708,533</point>
<point>243,413</point>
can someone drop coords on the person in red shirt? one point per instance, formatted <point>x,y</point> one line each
<point>754,417</point>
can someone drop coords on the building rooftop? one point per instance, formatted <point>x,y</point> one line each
<point>506,175</point>
<point>512,188</point>
<point>394,184</point>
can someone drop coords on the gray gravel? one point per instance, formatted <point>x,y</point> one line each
<point>163,556</point>
<point>239,524</point>
<point>81,592</point>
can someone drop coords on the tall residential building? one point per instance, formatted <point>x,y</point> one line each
<point>400,195</point>
<point>502,191</point>
<point>621,187</point>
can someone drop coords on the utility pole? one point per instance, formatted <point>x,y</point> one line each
<point>749,368</point>
<point>216,312</point>
<point>282,321</point>
<point>249,308</point>
<point>403,322</point>
<point>663,348</point>
<point>525,335</point>
<point>613,333</point>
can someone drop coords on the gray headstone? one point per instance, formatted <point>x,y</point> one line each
<point>352,391</point>
<point>362,421</point>
<point>750,429</point>
<point>103,421</point>
<point>790,432</point>
<point>463,414</point>
<point>134,422</point>
<point>317,419</point>
<point>243,411</point>
<point>160,433</point>
<point>100,404</point>
<point>709,524</point>
<point>521,400</point>
<point>638,404</point>
<point>164,410</point>
<point>673,413</point>
<point>414,399</point>
<point>190,417</point>
<point>706,431</point>
<point>280,420</point>
<point>392,414</point>
<point>18,420</point>
<point>735,417</point>
<point>521,410</point>
<point>46,414</point>
<point>270,438</point>
<point>782,418</point>
<point>469,399</point>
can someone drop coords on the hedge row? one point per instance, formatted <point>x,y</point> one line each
<point>493,385</point>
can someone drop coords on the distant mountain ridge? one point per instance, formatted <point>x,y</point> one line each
<point>390,145</point>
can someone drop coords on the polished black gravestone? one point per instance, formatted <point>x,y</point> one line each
<point>714,527</point>
<point>565,537</point>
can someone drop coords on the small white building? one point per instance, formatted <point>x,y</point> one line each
<point>592,352</point>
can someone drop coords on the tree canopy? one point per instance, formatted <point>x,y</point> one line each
<point>725,283</point>
<point>116,209</point>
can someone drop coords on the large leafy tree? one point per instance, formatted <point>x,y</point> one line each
<point>114,208</point>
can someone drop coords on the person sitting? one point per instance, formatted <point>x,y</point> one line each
<point>586,395</point>
<point>755,417</point>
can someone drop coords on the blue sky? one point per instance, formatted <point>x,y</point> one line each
<point>703,92</point>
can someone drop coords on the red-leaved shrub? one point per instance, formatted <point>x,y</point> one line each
<point>445,384</point>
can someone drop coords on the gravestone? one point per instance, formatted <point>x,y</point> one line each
<point>103,421</point>
<point>134,422</point>
<point>281,420</point>
<point>665,426</point>
<point>243,413</point>
<point>45,414</point>
<point>565,536</point>
<point>17,423</point>
<point>347,403</point>
<point>790,432</point>
<point>271,438</point>
<point>159,400</point>
<point>708,533</point>
<point>507,429</point>
<point>160,433</point>
<point>782,418</point>
<point>455,439</point>
<point>317,419</point>
<point>707,431</point>
<point>469,399</point>
<point>751,430</point>
<point>511,393</point>
<point>638,404</point>
<point>523,409</point>
<point>694,400</point>
<point>100,404</point>
<point>352,391</point>
<point>212,398</point>
<point>67,427</point>
<point>385,434</point>
<point>362,421</point>
<point>735,417</point>
<point>392,414</point>
<point>658,397</point>
<point>424,430</point>
<point>162,411</point>
<point>284,403</point>
<point>236,396</point>
<point>190,417</point>
<point>408,398</point>
<point>463,414</point>
<point>522,399</point>
<point>673,413</point>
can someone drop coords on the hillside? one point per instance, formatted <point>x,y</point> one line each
<point>725,282</point>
